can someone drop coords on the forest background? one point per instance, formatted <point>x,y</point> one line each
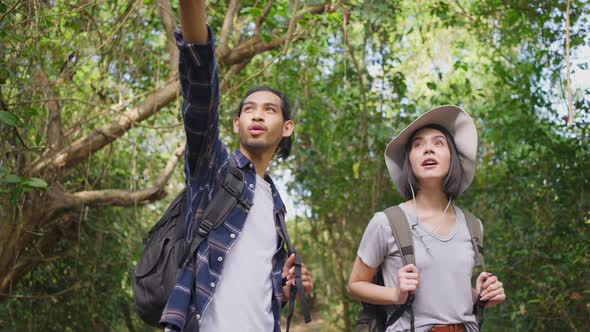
<point>92,139</point>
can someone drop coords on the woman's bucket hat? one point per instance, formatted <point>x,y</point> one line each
<point>457,122</point>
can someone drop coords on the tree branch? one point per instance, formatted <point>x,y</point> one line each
<point>45,296</point>
<point>287,39</point>
<point>359,73</point>
<point>260,19</point>
<point>570,107</point>
<point>233,71</point>
<point>169,23</point>
<point>79,150</point>
<point>114,197</point>
<point>14,6</point>
<point>315,10</point>
<point>54,128</point>
<point>232,9</point>
<point>247,51</point>
<point>254,45</point>
<point>86,146</point>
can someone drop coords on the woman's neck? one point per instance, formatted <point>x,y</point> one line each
<point>431,199</point>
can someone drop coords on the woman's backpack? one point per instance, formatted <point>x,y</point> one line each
<point>373,317</point>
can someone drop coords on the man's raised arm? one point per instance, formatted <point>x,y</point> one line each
<point>193,21</point>
<point>200,90</point>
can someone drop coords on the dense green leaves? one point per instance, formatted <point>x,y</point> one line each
<point>355,77</point>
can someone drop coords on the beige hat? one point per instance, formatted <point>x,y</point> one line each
<point>457,122</point>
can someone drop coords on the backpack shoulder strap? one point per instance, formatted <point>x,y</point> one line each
<point>401,233</point>
<point>474,227</point>
<point>227,197</point>
<point>179,204</point>
<point>220,206</point>
<point>403,237</point>
<point>297,289</point>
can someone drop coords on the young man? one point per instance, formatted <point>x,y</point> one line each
<point>239,277</point>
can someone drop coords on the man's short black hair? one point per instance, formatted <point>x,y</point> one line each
<point>452,182</point>
<point>284,148</point>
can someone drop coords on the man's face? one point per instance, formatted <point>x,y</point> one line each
<point>260,124</point>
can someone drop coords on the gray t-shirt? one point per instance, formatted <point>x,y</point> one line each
<point>445,265</point>
<point>243,298</point>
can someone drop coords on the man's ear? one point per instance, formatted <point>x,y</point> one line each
<point>288,128</point>
<point>236,124</point>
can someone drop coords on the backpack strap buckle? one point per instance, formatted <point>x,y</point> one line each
<point>205,228</point>
<point>233,181</point>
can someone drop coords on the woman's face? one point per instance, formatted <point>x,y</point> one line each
<point>430,156</point>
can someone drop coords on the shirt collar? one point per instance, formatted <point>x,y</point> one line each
<point>243,163</point>
<point>241,160</point>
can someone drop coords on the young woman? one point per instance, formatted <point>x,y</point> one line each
<point>431,162</point>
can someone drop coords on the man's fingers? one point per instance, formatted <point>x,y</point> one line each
<point>306,272</point>
<point>290,260</point>
<point>304,282</point>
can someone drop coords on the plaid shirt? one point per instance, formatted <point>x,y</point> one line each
<point>206,164</point>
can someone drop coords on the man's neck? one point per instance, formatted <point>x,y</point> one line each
<point>260,160</point>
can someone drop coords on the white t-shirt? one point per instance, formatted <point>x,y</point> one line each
<point>243,298</point>
<point>445,266</point>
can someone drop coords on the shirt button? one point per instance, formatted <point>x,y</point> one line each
<point>219,259</point>
<point>232,235</point>
<point>212,284</point>
<point>251,165</point>
<point>251,186</point>
<point>198,316</point>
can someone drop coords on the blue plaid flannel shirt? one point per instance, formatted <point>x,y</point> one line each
<point>206,164</point>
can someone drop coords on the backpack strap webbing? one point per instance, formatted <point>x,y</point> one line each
<point>403,238</point>
<point>297,289</point>
<point>179,205</point>
<point>474,227</point>
<point>224,201</point>
<point>401,233</point>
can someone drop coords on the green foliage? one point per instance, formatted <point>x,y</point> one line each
<point>356,77</point>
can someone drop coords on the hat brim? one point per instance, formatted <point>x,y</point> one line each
<point>457,122</point>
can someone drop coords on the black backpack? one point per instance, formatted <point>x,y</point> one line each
<point>373,317</point>
<point>154,276</point>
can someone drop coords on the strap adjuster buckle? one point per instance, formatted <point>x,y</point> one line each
<point>205,228</point>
